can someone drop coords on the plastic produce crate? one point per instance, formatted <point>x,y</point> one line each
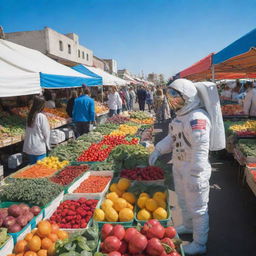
<point>93,173</point>
<point>32,224</point>
<point>7,247</point>
<point>50,207</point>
<point>77,197</point>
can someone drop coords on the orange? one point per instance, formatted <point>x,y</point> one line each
<point>20,246</point>
<point>44,227</point>
<point>62,234</point>
<point>46,243</point>
<point>30,253</point>
<point>55,228</point>
<point>11,254</point>
<point>51,250</point>
<point>34,231</point>
<point>53,237</point>
<point>28,237</point>
<point>35,243</point>
<point>19,254</point>
<point>42,253</point>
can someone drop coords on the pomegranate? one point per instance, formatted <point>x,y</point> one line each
<point>156,231</point>
<point>106,230</point>
<point>154,247</point>
<point>112,243</point>
<point>170,232</point>
<point>129,233</point>
<point>119,232</point>
<point>137,244</point>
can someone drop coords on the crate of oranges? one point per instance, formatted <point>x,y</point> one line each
<point>40,241</point>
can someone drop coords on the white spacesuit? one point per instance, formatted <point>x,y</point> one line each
<point>189,141</point>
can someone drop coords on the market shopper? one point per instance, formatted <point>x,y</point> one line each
<point>83,111</point>
<point>37,135</point>
<point>49,99</point>
<point>150,99</point>
<point>250,102</point>
<point>141,96</point>
<point>113,101</point>
<point>70,103</point>
<point>191,136</point>
<point>132,98</point>
<point>161,106</point>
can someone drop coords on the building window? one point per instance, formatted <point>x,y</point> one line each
<point>83,54</point>
<point>87,56</point>
<point>69,48</point>
<point>61,45</point>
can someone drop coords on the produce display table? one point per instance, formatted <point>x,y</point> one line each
<point>101,118</point>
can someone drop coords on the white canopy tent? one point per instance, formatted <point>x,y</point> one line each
<point>107,79</point>
<point>24,70</point>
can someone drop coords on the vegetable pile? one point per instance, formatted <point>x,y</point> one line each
<point>74,214</point>
<point>106,129</point>
<point>3,236</point>
<point>118,119</point>
<point>69,174</point>
<point>247,147</point>
<point>124,130</point>
<point>53,162</point>
<point>17,216</point>
<point>82,244</point>
<point>146,173</point>
<point>152,240</point>
<point>129,156</point>
<point>33,191</point>
<point>232,109</point>
<point>139,115</point>
<point>35,171</point>
<point>93,184</point>
<point>92,137</point>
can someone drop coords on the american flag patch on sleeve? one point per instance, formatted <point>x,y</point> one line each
<point>198,124</point>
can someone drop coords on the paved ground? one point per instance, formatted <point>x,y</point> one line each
<point>232,209</point>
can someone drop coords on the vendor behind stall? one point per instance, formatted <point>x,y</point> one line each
<point>83,111</point>
<point>49,99</point>
<point>37,136</point>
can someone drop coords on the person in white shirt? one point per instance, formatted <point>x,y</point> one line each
<point>226,93</point>
<point>49,100</point>
<point>132,97</point>
<point>114,101</point>
<point>250,101</point>
<point>235,94</point>
<point>37,136</point>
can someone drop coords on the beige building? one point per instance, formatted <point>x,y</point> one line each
<point>111,66</point>
<point>98,63</point>
<point>64,48</point>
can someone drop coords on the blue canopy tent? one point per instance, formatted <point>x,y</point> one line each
<point>106,78</point>
<point>240,56</point>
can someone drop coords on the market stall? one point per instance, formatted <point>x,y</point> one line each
<point>77,184</point>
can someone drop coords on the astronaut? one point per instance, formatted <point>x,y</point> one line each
<point>189,141</point>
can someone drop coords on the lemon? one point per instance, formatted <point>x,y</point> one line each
<point>130,206</point>
<point>159,196</point>
<point>123,184</point>
<point>112,196</point>
<point>143,214</point>
<point>160,214</point>
<point>114,188</point>
<point>120,204</point>
<point>129,197</point>
<point>99,215</point>
<point>111,215</point>
<point>144,194</point>
<point>142,202</point>
<point>161,203</point>
<point>126,214</point>
<point>151,204</point>
<point>106,203</point>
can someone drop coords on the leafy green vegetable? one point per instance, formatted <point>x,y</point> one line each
<point>33,191</point>
<point>3,236</point>
<point>92,137</point>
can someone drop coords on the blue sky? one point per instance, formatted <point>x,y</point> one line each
<point>162,36</point>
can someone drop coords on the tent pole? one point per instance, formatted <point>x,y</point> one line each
<point>102,97</point>
<point>213,74</point>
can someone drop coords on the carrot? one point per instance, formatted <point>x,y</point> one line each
<point>94,184</point>
<point>35,171</point>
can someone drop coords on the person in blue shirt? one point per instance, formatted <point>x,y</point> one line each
<point>83,112</point>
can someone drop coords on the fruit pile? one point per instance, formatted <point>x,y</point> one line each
<point>125,130</point>
<point>74,214</point>
<point>93,184</point>
<point>247,126</point>
<point>53,162</point>
<point>115,140</point>
<point>69,174</point>
<point>141,115</point>
<point>118,204</point>
<point>154,207</point>
<point>143,121</point>
<point>17,216</point>
<point>145,173</point>
<point>152,240</point>
<point>57,112</point>
<point>232,109</point>
<point>254,175</point>
<point>100,108</point>
<point>41,241</point>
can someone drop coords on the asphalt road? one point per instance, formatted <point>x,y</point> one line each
<point>232,208</point>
